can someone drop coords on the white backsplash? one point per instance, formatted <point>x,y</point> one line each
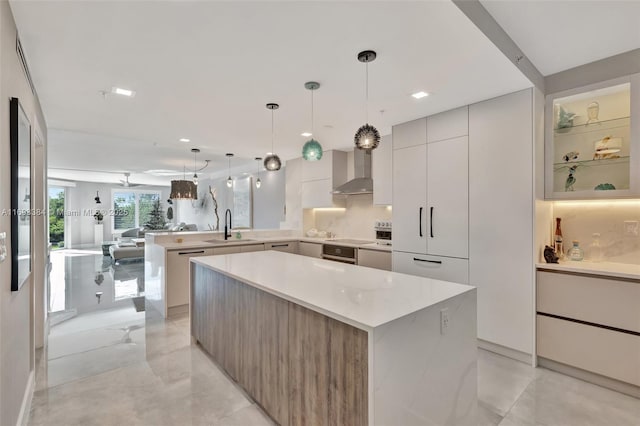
<point>581,219</point>
<point>355,221</point>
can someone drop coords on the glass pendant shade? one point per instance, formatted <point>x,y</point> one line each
<point>229,182</point>
<point>312,150</point>
<point>183,190</point>
<point>195,178</point>
<point>258,183</point>
<point>367,137</point>
<point>272,163</point>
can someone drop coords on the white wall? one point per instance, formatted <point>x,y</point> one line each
<point>580,219</point>
<point>355,221</point>
<point>268,203</point>
<point>16,318</point>
<point>79,227</point>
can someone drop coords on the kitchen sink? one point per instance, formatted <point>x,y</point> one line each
<point>233,240</point>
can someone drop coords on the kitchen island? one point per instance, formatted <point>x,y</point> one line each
<point>320,342</point>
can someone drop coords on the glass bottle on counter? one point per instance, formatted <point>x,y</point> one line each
<point>575,253</point>
<point>595,250</point>
<point>558,247</point>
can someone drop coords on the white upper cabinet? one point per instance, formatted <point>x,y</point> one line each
<point>430,187</point>
<point>321,177</point>
<point>592,141</point>
<point>410,199</point>
<point>448,125</point>
<point>332,165</point>
<point>381,172</point>
<point>448,198</point>
<point>409,134</point>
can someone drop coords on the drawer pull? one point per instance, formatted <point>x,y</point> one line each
<point>420,220</point>
<point>439,262</point>
<point>279,245</point>
<point>181,253</point>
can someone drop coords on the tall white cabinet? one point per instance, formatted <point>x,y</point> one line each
<point>463,184</point>
<point>430,196</point>
<point>501,218</point>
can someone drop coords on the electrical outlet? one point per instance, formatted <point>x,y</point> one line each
<point>631,228</point>
<point>444,321</point>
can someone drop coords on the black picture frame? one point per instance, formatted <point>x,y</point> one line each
<point>20,138</point>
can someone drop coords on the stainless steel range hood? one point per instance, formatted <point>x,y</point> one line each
<point>362,182</point>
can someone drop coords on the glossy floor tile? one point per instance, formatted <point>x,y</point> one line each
<point>119,366</point>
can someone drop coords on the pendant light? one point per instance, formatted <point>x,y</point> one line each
<point>367,137</point>
<point>312,150</point>
<point>258,181</point>
<point>183,189</point>
<point>195,160</point>
<point>97,199</point>
<point>272,161</point>
<point>229,180</point>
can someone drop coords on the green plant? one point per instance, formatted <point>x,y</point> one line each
<point>156,217</point>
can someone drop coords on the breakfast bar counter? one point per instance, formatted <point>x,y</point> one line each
<point>319,342</point>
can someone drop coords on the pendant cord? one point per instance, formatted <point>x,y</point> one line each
<point>366,107</point>
<point>271,132</point>
<point>312,112</point>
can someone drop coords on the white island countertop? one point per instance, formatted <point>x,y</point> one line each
<point>363,297</point>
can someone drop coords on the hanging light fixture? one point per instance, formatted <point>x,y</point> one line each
<point>195,160</point>
<point>229,180</point>
<point>258,181</point>
<point>97,199</point>
<point>183,189</point>
<point>312,150</point>
<point>272,161</point>
<point>367,137</point>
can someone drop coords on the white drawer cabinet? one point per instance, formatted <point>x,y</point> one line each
<point>591,323</point>
<point>286,246</point>
<point>310,249</point>
<point>437,267</point>
<point>610,302</point>
<point>598,350</point>
<point>251,247</point>
<point>178,274</point>
<point>374,259</point>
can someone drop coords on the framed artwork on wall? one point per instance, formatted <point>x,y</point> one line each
<point>20,137</point>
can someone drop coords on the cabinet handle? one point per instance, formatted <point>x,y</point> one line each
<point>190,252</point>
<point>439,262</point>
<point>279,245</point>
<point>420,219</point>
<point>431,221</point>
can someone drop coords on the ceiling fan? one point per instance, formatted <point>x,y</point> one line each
<point>126,182</point>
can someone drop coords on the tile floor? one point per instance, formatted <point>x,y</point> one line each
<point>118,367</point>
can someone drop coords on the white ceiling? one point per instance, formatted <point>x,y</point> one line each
<point>205,70</point>
<point>558,35</point>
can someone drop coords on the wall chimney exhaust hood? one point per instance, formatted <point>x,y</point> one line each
<point>362,182</point>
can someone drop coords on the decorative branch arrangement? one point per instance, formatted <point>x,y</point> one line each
<point>215,207</point>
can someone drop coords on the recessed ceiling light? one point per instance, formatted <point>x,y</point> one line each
<point>123,92</point>
<point>306,134</point>
<point>185,140</point>
<point>420,95</point>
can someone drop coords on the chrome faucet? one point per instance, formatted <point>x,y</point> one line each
<point>227,229</point>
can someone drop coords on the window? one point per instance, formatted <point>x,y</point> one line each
<point>131,209</point>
